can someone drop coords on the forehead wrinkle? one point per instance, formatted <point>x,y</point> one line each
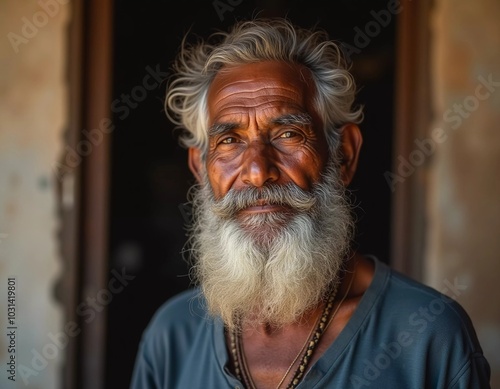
<point>300,118</point>
<point>243,106</point>
<point>270,82</point>
<point>269,114</point>
<point>245,95</point>
<point>245,103</point>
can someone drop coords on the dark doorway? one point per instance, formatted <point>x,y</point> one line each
<point>149,173</point>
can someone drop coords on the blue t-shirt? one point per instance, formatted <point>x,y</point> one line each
<point>403,335</point>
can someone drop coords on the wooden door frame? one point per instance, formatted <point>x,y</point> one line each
<point>84,190</point>
<point>412,118</point>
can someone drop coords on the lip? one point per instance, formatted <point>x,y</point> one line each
<point>265,208</point>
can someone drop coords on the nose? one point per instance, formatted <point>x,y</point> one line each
<point>259,167</point>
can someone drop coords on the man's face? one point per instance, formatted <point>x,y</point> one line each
<point>263,129</point>
<point>272,225</point>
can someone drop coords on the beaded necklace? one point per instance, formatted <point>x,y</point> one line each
<point>324,325</point>
<point>239,360</point>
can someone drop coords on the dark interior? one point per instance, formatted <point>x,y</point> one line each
<point>150,176</point>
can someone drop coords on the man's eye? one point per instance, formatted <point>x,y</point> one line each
<point>229,140</point>
<point>288,134</point>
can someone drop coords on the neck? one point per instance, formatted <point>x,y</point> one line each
<point>271,340</point>
<point>269,329</point>
<point>273,354</point>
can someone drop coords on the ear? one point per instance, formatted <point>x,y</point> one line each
<point>194,162</point>
<point>351,141</point>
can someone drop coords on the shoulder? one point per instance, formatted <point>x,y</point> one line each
<point>181,313</point>
<point>184,304</point>
<point>437,323</point>
<point>174,328</point>
<point>399,301</point>
<point>402,305</point>
<point>428,326</point>
<point>425,307</point>
<point>179,326</point>
<point>423,301</point>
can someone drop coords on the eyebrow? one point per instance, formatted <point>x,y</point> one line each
<point>300,118</point>
<point>221,128</point>
<point>287,119</point>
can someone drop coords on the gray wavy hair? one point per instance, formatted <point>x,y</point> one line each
<point>252,41</point>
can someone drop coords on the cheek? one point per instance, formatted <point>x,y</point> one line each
<point>306,168</point>
<point>301,174</point>
<point>222,174</point>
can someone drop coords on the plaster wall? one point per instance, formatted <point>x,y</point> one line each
<point>464,181</point>
<point>33,110</point>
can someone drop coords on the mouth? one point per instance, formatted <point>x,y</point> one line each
<point>262,206</point>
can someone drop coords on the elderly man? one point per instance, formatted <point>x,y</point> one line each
<point>281,300</point>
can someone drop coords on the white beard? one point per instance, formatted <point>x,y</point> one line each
<point>270,268</point>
